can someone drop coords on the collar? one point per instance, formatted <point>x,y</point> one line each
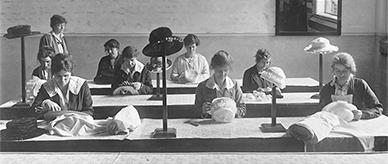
<point>211,83</point>
<point>75,85</point>
<point>334,81</point>
<point>194,57</point>
<point>138,67</point>
<point>58,36</point>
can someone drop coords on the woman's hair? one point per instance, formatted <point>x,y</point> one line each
<point>191,39</point>
<point>61,62</point>
<point>57,19</point>
<point>346,60</point>
<point>262,54</point>
<point>45,52</point>
<point>130,52</point>
<point>221,59</point>
<point>112,43</point>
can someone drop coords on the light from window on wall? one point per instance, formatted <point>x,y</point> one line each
<point>331,7</point>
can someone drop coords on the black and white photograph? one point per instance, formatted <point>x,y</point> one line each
<point>194,81</point>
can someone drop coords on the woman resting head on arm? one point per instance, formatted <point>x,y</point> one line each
<point>63,92</point>
<point>346,87</point>
<point>219,85</point>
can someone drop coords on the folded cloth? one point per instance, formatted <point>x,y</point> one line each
<point>73,123</point>
<point>125,90</point>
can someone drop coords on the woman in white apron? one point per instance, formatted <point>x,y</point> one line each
<point>345,86</point>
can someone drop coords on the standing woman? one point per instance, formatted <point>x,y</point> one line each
<point>63,92</point>
<point>55,39</point>
<point>346,87</point>
<point>219,85</point>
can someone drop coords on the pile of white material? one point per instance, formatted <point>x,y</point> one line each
<point>223,109</point>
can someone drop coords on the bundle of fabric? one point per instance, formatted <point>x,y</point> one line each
<point>125,90</point>
<point>223,109</point>
<point>21,129</point>
<point>72,123</point>
<point>316,127</point>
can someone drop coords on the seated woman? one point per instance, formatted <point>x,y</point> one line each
<point>43,72</point>
<point>252,80</point>
<point>219,85</point>
<point>131,77</point>
<point>190,66</point>
<point>346,87</point>
<point>107,63</point>
<point>55,39</point>
<point>63,92</point>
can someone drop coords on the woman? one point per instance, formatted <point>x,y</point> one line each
<point>131,77</point>
<point>106,66</point>
<point>44,57</point>
<point>190,66</point>
<point>346,87</point>
<point>63,92</point>
<point>219,85</point>
<point>55,39</point>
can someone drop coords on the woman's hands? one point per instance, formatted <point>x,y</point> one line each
<point>49,105</point>
<point>135,85</point>
<point>356,115</point>
<point>206,106</point>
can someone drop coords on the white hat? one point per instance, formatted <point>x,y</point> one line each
<point>342,109</point>
<point>276,76</point>
<point>223,109</point>
<point>320,45</point>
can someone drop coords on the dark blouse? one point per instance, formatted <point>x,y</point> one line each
<point>144,77</point>
<point>363,97</point>
<point>250,83</point>
<point>105,71</point>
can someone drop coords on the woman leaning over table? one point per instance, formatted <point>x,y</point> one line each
<point>219,85</point>
<point>63,92</point>
<point>346,87</point>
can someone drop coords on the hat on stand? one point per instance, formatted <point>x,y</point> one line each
<point>320,45</point>
<point>158,36</point>
<point>275,75</point>
<point>19,31</point>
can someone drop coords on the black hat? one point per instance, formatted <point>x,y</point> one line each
<point>21,129</point>
<point>19,31</point>
<point>155,65</point>
<point>159,36</point>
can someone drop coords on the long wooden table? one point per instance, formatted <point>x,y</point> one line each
<point>182,106</point>
<point>292,85</point>
<point>242,135</point>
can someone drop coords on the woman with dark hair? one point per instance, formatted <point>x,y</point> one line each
<point>219,85</point>
<point>44,57</point>
<point>106,66</point>
<point>190,66</point>
<point>55,39</point>
<point>63,92</point>
<point>131,77</point>
<point>346,87</point>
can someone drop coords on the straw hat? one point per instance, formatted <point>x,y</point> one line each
<point>320,45</point>
<point>19,31</point>
<point>158,36</point>
<point>223,109</point>
<point>276,76</point>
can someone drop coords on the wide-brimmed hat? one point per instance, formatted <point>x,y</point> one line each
<point>275,75</point>
<point>155,65</point>
<point>21,129</point>
<point>158,37</point>
<point>223,109</point>
<point>19,31</point>
<point>320,45</point>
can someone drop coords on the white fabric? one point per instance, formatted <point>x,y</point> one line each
<point>223,109</point>
<point>197,64</point>
<point>74,123</point>
<point>342,109</point>
<point>75,85</point>
<point>275,75</point>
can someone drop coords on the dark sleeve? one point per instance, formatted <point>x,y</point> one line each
<point>247,82</point>
<point>42,95</point>
<point>35,72</point>
<point>147,87</point>
<point>98,75</point>
<point>199,99</point>
<point>373,107</point>
<point>241,108</point>
<point>117,79</point>
<point>87,102</point>
<point>325,96</point>
<point>45,41</point>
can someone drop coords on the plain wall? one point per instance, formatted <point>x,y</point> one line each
<point>239,27</point>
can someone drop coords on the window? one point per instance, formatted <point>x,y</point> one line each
<point>308,17</point>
